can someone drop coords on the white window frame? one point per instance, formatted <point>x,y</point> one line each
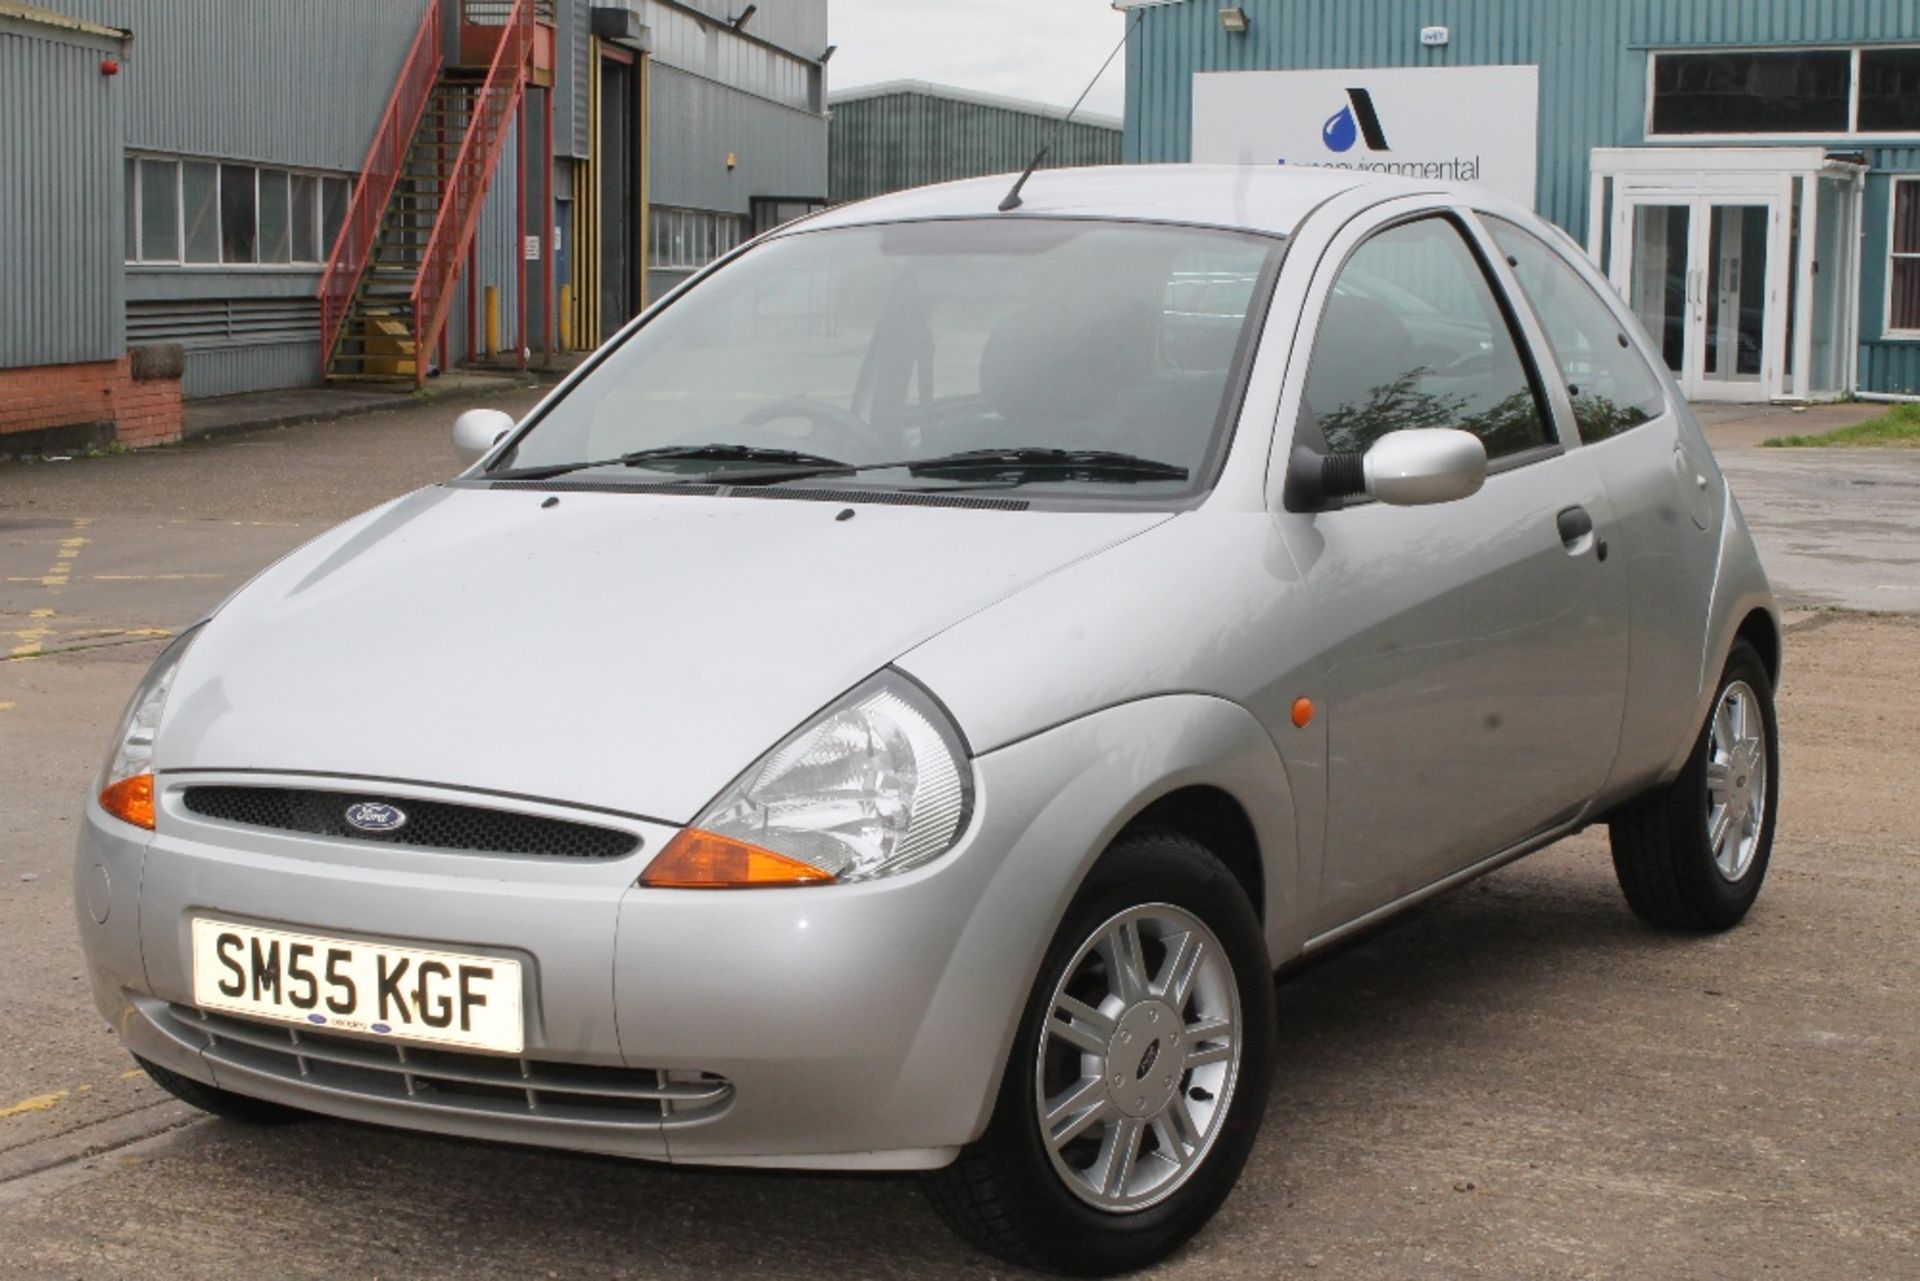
<point>1852,131</point>
<point>139,196</point>
<point>1887,327</point>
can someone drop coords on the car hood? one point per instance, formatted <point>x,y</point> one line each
<point>628,651</point>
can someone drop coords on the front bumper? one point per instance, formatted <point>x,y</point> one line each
<point>860,1026</point>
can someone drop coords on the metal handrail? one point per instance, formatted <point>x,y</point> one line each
<point>386,158</point>
<point>466,184</point>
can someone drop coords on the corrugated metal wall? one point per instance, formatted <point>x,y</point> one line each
<point>895,141</point>
<point>61,231</point>
<point>266,80</point>
<point>798,26</point>
<point>1592,56</point>
<point>696,123</point>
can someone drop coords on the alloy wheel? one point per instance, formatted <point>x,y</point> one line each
<point>1736,780</point>
<point>1138,1058</point>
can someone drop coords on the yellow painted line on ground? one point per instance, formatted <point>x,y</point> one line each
<point>40,613</point>
<point>136,1072</point>
<point>38,1103</point>
<point>7,707</point>
<point>61,571</point>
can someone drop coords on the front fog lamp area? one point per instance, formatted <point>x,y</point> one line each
<point>126,785</point>
<point>875,785</point>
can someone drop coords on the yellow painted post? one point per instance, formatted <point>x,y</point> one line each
<point>566,317</point>
<point>492,297</point>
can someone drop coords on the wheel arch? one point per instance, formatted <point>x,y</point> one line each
<point>1761,630</point>
<point>1216,819</point>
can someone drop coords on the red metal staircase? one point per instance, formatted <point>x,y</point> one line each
<point>391,278</point>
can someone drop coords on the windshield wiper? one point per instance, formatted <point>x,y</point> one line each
<point>809,464</point>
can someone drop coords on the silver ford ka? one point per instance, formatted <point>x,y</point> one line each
<point>898,706</point>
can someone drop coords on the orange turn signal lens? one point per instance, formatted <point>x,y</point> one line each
<point>130,800</point>
<point>1302,712</point>
<point>697,860</point>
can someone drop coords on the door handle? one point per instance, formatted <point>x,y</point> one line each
<point>1576,531</point>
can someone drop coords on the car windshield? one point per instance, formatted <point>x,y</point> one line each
<point>1071,356</point>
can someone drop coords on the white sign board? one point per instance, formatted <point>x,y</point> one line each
<point>1444,124</point>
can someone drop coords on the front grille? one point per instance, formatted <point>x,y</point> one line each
<point>444,1079</point>
<point>429,824</point>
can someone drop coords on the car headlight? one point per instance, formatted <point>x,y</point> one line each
<point>126,785</point>
<point>875,785</point>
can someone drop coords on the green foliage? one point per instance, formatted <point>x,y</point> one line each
<point>1897,428</point>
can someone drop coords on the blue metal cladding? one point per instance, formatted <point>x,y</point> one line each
<point>1593,59</point>
<point>61,221</point>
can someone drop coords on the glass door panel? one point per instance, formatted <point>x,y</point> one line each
<point>1736,293</point>
<point>1659,290</point>
<point>1832,270</point>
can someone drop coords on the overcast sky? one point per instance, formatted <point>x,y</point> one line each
<point>1045,50</point>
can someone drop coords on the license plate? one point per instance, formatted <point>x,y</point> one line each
<point>407,993</point>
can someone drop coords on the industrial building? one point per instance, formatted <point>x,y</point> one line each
<point>908,133</point>
<point>214,196</point>
<point>1747,172</point>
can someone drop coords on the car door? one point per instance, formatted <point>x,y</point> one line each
<point>1473,653</point>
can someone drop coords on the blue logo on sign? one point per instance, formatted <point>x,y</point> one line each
<point>316,1018</point>
<point>1351,123</point>
<point>382,1028</point>
<point>376,816</point>
<point>1341,130</point>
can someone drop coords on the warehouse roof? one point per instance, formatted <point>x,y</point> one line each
<point>927,89</point>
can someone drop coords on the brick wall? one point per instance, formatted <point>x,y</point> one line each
<point>140,410</point>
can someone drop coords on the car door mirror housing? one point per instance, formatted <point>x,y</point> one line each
<point>477,431</point>
<point>1426,465</point>
<point>1412,468</point>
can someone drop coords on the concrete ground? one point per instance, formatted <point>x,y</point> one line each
<point>1515,1080</point>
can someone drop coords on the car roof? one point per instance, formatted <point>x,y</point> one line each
<point>1274,199</point>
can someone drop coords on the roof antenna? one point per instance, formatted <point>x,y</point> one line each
<point>1013,201</point>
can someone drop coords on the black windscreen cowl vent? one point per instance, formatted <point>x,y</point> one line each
<point>887,498</point>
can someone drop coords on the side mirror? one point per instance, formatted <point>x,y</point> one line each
<point>1412,468</point>
<point>477,431</point>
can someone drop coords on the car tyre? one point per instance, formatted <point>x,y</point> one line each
<point>1679,867</point>
<point>218,1102</point>
<point>1033,1197</point>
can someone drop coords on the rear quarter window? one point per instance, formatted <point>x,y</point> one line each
<point>1612,388</point>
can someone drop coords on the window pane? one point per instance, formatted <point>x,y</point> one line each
<point>1890,90</point>
<point>1412,337</point>
<point>1904,312</point>
<point>276,233</point>
<point>131,226</point>
<point>198,190</point>
<point>1612,388</point>
<point>1759,93</point>
<point>306,218</point>
<point>159,211</point>
<point>1906,217</point>
<point>239,229</point>
<point>333,212</point>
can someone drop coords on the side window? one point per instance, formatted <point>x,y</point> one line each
<point>1611,386</point>
<point>1413,336</point>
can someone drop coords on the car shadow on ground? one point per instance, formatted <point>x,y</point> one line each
<point>1373,1025</point>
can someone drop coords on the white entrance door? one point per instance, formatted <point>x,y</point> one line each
<point>1740,262</point>
<point>1708,278</point>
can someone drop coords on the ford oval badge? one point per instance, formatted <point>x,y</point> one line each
<point>376,816</point>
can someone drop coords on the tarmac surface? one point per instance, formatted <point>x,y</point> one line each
<point>1517,1079</point>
